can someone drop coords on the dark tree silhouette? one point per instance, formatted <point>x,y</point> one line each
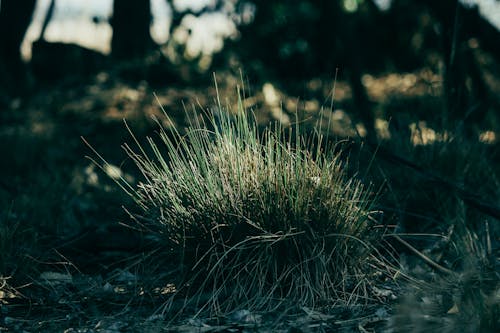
<point>53,61</point>
<point>131,21</point>
<point>15,17</point>
<point>462,29</point>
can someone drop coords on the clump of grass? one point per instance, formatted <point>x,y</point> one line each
<point>257,217</point>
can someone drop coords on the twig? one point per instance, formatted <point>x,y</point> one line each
<point>422,256</point>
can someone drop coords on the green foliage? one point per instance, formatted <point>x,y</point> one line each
<point>256,216</point>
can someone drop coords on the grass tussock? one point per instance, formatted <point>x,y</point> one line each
<point>256,217</point>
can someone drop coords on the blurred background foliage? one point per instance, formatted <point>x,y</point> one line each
<point>288,43</point>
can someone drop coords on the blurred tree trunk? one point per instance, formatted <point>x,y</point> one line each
<point>467,96</point>
<point>47,19</point>
<point>131,21</point>
<point>15,17</point>
<point>450,16</point>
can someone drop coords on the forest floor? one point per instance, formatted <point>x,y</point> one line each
<point>73,261</point>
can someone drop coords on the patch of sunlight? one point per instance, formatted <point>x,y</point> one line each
<point>488,137</point>
<point>314,84</point>
<point>351,5</point>
<point>195,6</point>
<point>311,106</point>
<point>180,36</point>
<point>339,115</point>
<point>112,171</point>
<point>422,135</point>
<point>116,173</point>
<point>392,81</point>
<point>339,123</point>
<point>250,102</point>
<point>279,115</point>
<point>205,34</point>
<point>129,94</point>
<point>38,127</point>
<point>272,99</point>
<point>382,128</point>
<point>205,62</point>
<point>270,94</point>
<point>378,88</point>
<point>92,178</point>
<point>292,104</point>
<point>383,5</point>
<point>361,129</point>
